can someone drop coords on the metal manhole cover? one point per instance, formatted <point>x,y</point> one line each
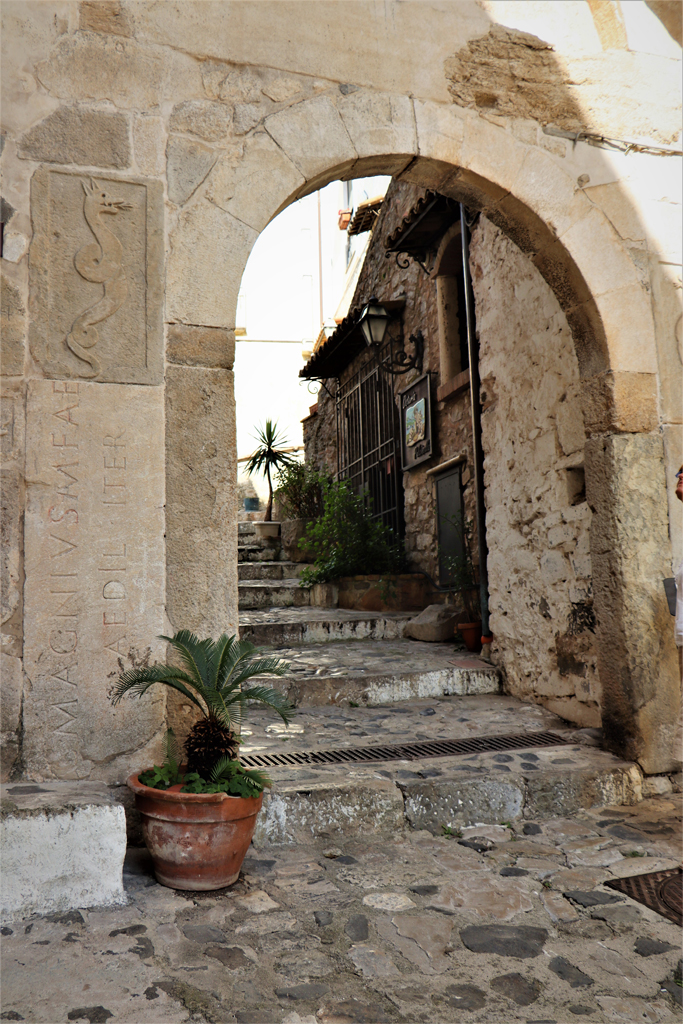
<point>404,751</point>
<point>661,891</point>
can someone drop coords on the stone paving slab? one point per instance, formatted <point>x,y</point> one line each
<point>272,593</point>
<point>270,570</point>
<point>422,929</point>
<point>283,627</point>
<point>381,671</point>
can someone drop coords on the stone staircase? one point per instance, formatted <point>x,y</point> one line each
<point>356,682</point>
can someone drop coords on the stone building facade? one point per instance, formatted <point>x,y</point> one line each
<point>145,146</point>
<point>538,519</point>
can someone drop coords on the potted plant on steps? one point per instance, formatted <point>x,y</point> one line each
<point>300,498</point>
<point>269,456</point>
<point>198,819</point>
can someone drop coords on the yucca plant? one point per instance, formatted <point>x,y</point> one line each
<point>269,456</point>
<point>212,679</point>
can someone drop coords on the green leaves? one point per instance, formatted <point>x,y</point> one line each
<point>347,540</point>
<point>230,777</point>
<point>160,777</point>
<point>213,677</point>
<point>270,454</point>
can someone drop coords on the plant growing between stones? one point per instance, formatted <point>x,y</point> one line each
<point>212,679</point>
<point>347,540</point>
<point>269,456</point>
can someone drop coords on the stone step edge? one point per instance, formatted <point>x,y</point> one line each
<point>296,813</point>
<point>384,688</point>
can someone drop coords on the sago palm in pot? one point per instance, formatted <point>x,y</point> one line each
<point>198,825</point>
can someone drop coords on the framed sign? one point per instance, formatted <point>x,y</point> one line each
<point>416,423</point>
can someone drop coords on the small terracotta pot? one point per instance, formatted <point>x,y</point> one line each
<point>471,634</point>
<point>197,840</point>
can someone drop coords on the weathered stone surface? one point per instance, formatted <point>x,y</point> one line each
<point>334,808</point>
<point>597,898</point>
<point>351,1011</point>
<point>149,144</point>
<point>253,189</point>
<point>430,806</point>
<point>493,898</point>
<point>89,322</point>
<point>356,927</point>
<point>421,939</point>
<point>629,545</point>
<point>231,957</point>
<point>388,901</point>
<point>10,713</point>
<point>651,947</point>
<point>567,972</point>
<point>517,988</point>
<point>327,146</point>
<point>258,902</point>
<point>623,1008</point>
<point>13,330</point>
<point>559,910</point>
<point>104,16</point>
<point>203,933</point>
<point>372,963</point>
<point>307,991</point>
<point>435,624</point>
<point>378,123</point>
<point>281,921</point>
<point>465,997</point>
<point>76,135</point>
<point>187,165</point>
<point>12,449</point>
<point>200,425</point>
<point>189,345</point>
<point>219,266</point>
<point>210,121</point>
<point>95,575</point>
<point>125,72</point>
<point>62,847</point>
<point>504,940</point>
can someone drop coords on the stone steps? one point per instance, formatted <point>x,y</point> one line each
<point>380,671</point>
<point>335,802</point>
<point>280,627</point>
<point>270,570</point>
<point>272,593</point>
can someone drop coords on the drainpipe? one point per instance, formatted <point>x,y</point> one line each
<point>475,406</point>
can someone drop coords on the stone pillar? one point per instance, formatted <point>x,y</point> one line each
<point>630,555</point>
<point>94,532</point>
<point>447,309</point>
<point>201,501</point>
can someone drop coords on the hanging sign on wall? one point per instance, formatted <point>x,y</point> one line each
<point>416,423</point>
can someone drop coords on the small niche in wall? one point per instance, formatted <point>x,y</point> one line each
<point>576,485</point>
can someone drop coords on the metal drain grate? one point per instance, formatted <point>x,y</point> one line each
<point>661,891</point>
<point>404,751</point>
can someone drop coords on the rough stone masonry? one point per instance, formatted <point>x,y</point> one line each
<point>145,146</point>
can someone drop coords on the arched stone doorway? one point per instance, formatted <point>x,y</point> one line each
<point>526,194</point>
<point>136,97</point>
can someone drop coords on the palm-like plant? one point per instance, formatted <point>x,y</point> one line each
<point>212,680</point>
<point>268,456</point>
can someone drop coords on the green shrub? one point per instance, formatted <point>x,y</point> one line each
<point>300,491</point>
<point>347,541</point>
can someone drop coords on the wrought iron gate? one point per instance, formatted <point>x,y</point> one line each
<point>368,448</point>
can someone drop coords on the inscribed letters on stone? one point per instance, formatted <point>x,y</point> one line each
<point>94,595</point>
<point>95,277</point>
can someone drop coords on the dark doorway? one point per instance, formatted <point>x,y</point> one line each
<point>449,517</point>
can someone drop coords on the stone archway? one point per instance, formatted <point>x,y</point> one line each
<point>525,192</point>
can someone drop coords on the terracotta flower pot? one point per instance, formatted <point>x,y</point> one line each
<point>197,840</point>
<point>471,634</point>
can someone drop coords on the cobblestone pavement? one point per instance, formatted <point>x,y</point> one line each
<point>389,657</point>
<point>422,928</point>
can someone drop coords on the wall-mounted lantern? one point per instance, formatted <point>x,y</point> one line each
<point>373,323</point>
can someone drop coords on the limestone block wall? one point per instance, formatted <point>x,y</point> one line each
<point>538,520</point>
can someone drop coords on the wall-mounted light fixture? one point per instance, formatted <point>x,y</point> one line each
<point>373,321</point>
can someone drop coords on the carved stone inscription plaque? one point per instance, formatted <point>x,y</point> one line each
<point>94,593</point>
<point>96,277</point>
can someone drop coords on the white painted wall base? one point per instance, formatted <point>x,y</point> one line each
<point>62,846</point>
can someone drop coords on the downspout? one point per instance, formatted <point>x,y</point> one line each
<point>475,406</point>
